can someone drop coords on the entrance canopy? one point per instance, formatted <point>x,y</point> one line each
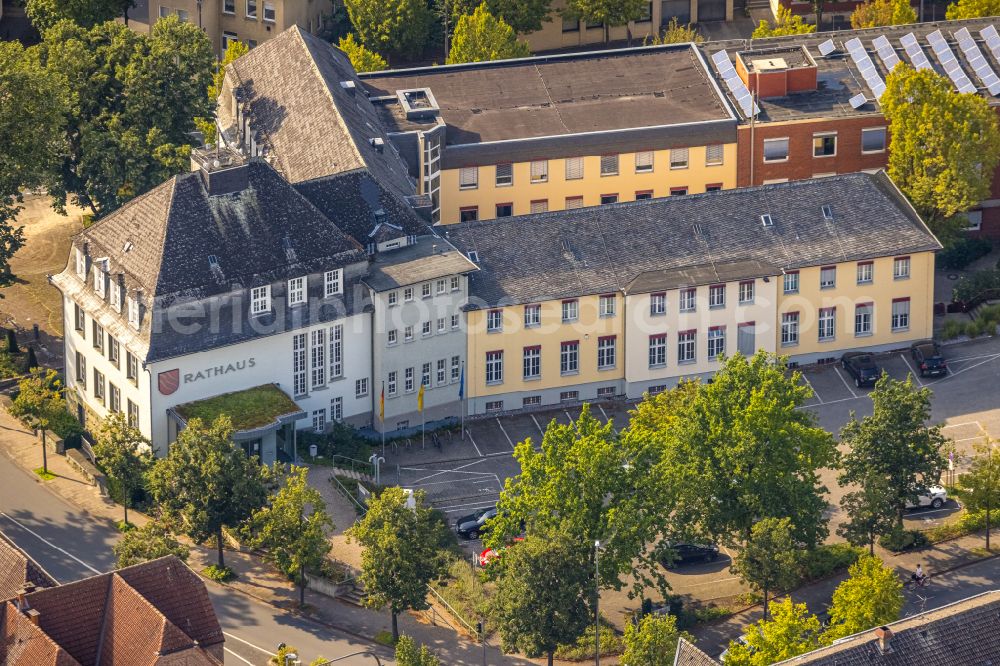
<point>254,411</point>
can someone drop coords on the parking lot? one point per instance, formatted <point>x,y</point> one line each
<point>463,476</point>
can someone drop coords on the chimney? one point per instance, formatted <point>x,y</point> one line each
<point>34,616</point>
<point>223,171</point>
<point>884,635</point>
<point>22,603</point>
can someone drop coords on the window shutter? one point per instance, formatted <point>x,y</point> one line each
<point>539,169</point>
<point>468,176</point>
<point>539,206</point>
<point>609,164</point>
<point>574,168</point>
<point>714,154</point>
<point>644,160</point>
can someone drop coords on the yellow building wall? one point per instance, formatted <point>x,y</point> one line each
<point>549,335</point>
<point>551,36</point>
<point>919,287</point>
<point>522,192</point>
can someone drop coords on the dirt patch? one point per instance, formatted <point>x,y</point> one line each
<point>31,300</point>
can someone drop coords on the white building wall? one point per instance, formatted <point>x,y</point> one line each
<point>639,376</point>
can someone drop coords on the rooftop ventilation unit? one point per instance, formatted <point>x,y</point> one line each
<point>378,144</point>
<point>348,86</point>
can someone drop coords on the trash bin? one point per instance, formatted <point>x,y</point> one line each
<point>313,450</point>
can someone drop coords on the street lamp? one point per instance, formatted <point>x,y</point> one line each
<point>597,602</point>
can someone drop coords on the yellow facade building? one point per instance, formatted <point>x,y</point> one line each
<point>247,21</point>
<point>506,138</point>
<point>625,299</point>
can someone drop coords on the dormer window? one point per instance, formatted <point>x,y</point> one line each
<point>260,300</point>
<point>297,291</point>
<point>116,296</point>
<point>133,312</point>
<point>81,264</point>
<point>333,282</point>
<point>100,286</point>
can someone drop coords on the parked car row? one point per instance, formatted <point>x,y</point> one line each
<point>926,356</point>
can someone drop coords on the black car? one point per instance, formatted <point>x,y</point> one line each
<point>471,526</point>
<point>673,554</point>
<point>928,359</point>
<point>862,367</point>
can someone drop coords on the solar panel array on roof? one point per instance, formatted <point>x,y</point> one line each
<point>885,52</point>
<point>984,71</point>
<point>735,84</point>
<point>857,101</point>
<point>864,63</point>
<point>826,48</point>
<point>950,63</point>
<point>914,52</point>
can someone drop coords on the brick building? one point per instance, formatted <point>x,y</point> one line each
<point>817,113</point>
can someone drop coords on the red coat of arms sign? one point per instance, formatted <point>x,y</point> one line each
<point>169,381</point>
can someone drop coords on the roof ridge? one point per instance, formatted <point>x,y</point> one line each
<point>339,115</point>
<point>166,623</point>
<point>11,607</point>
<point>104,619</point>
<point>165,231</point>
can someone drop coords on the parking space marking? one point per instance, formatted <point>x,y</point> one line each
<point>473,440</point>
<point>465,506</point>
<point>812,388</point>
<point>538,425</point>
<point>509,440</point>
<point>499,482</point>
<point>913,372</point>
<point>970,367</point>
<point>607,419</point>
<point>964,423</point>
<point>454,469</point>
<point>837,370</point>
<point>712,582</point>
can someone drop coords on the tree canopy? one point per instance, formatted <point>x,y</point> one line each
<point>768,560</point>
<point>399,552</point>
<point>870,512</point>
<point>652,641</point>
<point>149,542</point>
<point>40,402</point>
<point>479,37</point>
<point>234,50</point>
<point>124,455</point>
<point>785,23</point>
<point>871,596</point>
<point>134,100</point>
<point>542,595</point>
<point>408,653</point>
<point>894,446</point>
<point>967,9</point>
<point>400,27</point>
<point>945,146</point>
<point>878,13</point>
<point>791,631</point>
<point>979,488</point>
<point>44,14</point>
<point>292,529</point>
<point>362,58</point>
<point>207,482</point>
<point>609,13</point>
<point>584,484</point>
<point>676,33</point>
<point>523,16</point>
<point>32,118</point>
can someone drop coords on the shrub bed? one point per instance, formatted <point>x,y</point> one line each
<point>962,253</point>
<point>583,649</point>
<point>466,592</point>
<point>967,523</point>
<point>985,324</point>
<point>899,541</point>
<point>826,560</point>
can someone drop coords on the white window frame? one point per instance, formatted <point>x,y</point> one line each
<point>610,165</point>
<point>901,268</point>
<point>269,9</point>
<point>658,350</point>
<point>532,315</point>
<point>570,310</point>
<point>336,340</point>
<point>507,179</point>
<point>532,362</point>
<point>361,387</point>
<point>228,6</point>
<point>773,142</point>
<point>297,291</point>
<point>710,154</point>
<point>607,352</point>
<point>333,284</point>
<point>644,161</point>
<point>251,4</point>
<point>687,347</point>
<point>824,277</point>
<point>300,384</point>
<point>717,296</point>
<point>884,133</point>
<point>539,170</point>
<point>864,316</point>
<point>716,342</point>
<point>821,136</point>
<point>468,178</point>
<point>901,317</point>
<point>747,291</point>
<point>260,300</point>
<point>494,367</point>
<point>790,282</point>
<point>408,380</point>
<point>569,357</point>
<point>456,283</point>
<point>866,272</point>
<point>494,321</point>
<point>391,384</point>
<point>688,299</point>
<point>680,158</point>
<point>657,304</point>
<point>826,322</point>
<point>606,305</point>
<point>789,329</point>
<point>134,316</point>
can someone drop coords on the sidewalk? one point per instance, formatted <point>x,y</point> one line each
<point>256,578</point>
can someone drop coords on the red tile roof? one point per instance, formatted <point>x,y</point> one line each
<point>16,569</point>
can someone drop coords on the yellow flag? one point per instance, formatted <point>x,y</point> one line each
<point>420,399</point>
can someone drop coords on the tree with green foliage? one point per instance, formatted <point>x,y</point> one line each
<point>608,13</point>
<point>293,528</point>
<point>969,9</point>
<point>41,404</point>
<point>979,488</point>
<point>207,482</point>
<point>523,16</point>
<point>362,58</point>
<point>894,446</point>
<point>542,594</point>
<point>768,561</point>
<point>134,103</point>
<point>282,657</point>
<point>33,112</point>
<point>149,542</point>
<point>400,553</point>
<point>945,146</point>
<point>408,653</point>
<point>738,450</point>
<point>878,13</point>
<point>480,37</point>
<point>124,455</point>
<point>399,27</point>
<point>870,513</point>
<point>791,631</point>
<point>234,50</point>
<point>675,33</point>
<point>585,484</point>
<point>871,596</point>
<point>785,23</point>
<point>652,641</point>
<point>44,14</point>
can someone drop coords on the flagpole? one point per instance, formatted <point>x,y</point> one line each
<point>461,390</point>
<point>423,428</point>
<point>382,416</point>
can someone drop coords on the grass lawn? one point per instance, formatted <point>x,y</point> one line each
<point>252,408</point>
<point>46,476</point>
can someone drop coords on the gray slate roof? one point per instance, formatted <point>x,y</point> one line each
<point>965,633</point>
<point>602,249</point>
<point>430,258</point>
<point>688,655</point>
<point>308,123</point>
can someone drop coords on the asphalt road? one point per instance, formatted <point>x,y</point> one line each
<point>71,544</point>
